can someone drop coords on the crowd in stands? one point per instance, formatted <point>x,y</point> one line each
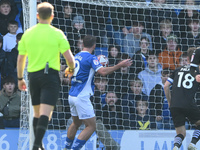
<point>156,39</point>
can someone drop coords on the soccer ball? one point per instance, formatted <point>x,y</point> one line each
<point>103,60</point>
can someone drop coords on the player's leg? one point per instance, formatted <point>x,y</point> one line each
<point>178,116</point>
<point>86,114</point>
<point>195,118</point>
<point>195,137</point>
<point>90,127</point>
<point>72,132</point>
<point>180,135</point>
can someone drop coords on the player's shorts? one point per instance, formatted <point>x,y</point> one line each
<point>44,88</point>
<point>81,107</point>
<point>179,115</point>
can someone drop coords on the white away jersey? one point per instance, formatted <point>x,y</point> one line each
<point>82,81</point>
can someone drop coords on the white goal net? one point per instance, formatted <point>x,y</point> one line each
<point>154,34</point>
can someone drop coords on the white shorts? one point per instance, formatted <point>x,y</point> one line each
<point>81,107</point>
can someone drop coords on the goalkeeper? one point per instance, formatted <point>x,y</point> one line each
<point>42,44</point>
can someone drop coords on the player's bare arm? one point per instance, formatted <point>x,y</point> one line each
<point>108,70</point>
<point>21,61</point>
<point>167,91</point>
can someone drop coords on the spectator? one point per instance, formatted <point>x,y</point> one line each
<point>165,30</point>
<point>112,111</point>
<point>2,59</point>
<point>169,58</point>
<point>158,104</point>
<point>128,100</point>
<point>156,15</point>
<point>185,16</point>
<point>120,79</point>
<point>100,88</point>
<point>193,36</point>
<point>135,88</point>
<point>78,30</point>
<point>10,103</point>
<point>114,54</point>
<point>64,18</point>
<point>139,59</point>
<point>7,13</point>
<point>132,40</point>
<point>151,75</point>
<point>121,21</point>
<point>183,59</point>
<point>9,40</point>
<point>142,120</point>
<point>79,45</point>
<point>12,59</point>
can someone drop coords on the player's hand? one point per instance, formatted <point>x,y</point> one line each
<point>126,63</point>
<point>22,85</point>
<point>69,72</point>
<point>197,77</point>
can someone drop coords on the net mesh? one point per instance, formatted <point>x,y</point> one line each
<point>124,29</point>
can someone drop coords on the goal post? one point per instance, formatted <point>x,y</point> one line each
<point>26,136</point>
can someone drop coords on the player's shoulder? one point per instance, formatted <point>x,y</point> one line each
<point>182,68</point>
<point>85,54</point>
<point>197,51</point>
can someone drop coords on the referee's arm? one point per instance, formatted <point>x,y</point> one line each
<point>167,92</point>
<point>21,61</point>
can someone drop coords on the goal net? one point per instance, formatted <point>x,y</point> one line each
<point>154,34</point>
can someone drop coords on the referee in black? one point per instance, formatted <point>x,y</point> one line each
<point>182,103</point>
<point>42,44</point>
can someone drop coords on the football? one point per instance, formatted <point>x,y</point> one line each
<point>103,60</point>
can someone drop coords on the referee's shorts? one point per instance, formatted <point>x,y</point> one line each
<point>44,88</point>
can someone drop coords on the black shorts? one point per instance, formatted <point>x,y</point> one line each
<point>179,115</point>
<point>44,88</point>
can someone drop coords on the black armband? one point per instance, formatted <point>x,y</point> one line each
<point>20,79</point>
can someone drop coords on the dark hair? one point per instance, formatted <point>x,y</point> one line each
<point>138,23</point>
<point>144,38</point>
<point>5,2</point>
<point>193,19</point>
<point>114,89</point>
<point>115,46</point>
<point>19,36</point>
<point>151,52</point>
<point>89,41</point>
<point>13,22</point>
<point>183,55</point>
<point>45,10</point>
<point>8,79</point>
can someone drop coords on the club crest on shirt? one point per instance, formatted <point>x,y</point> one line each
<point>96,62</point>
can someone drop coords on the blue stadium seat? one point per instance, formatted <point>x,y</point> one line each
<point>101,51</point>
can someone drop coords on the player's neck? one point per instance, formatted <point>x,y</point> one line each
<point>46,21</point>
<point>88,50</point>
